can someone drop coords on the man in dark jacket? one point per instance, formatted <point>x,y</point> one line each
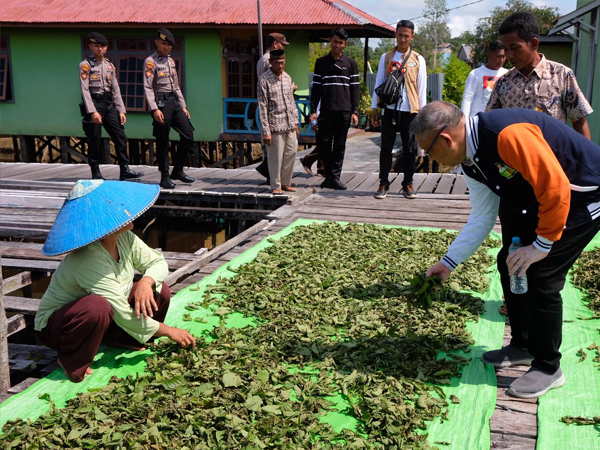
<point>525,158</point>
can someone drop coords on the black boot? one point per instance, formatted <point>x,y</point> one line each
<point>96,175</point>
<point>165,182</point>
<point>178,174</point>
<point>127,174</point>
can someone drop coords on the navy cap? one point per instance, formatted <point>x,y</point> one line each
<point>97,38</point>
<point>166,35</point>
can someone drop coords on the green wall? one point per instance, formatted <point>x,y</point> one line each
<point>47,93</point>
<point>583,79</point>
<point>297,59</point>
<point>558,52</point>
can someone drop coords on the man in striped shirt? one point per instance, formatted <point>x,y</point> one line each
<point>336,86</point>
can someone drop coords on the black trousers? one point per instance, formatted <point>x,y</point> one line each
<point>333,131</point>
<point>536,317</point>
<point>174,118</point>
<point>388,139</point>
<point>112,125</point>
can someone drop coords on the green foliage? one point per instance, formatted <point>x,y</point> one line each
<point>455,76</point>
<point>364,104</point>
<point>487,27</point>
<point>384,46</point>
<point>333,319</point>
<point>586,276</point>
<point>354,50</point>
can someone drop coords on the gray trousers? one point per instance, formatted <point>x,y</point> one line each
<point>281,155</point>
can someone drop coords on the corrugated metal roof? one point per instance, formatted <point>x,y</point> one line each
<point>193,12</point>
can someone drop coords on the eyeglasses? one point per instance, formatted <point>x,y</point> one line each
<point>434,141</point>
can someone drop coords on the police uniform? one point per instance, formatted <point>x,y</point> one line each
<point>100,92</point>
<point>163,93</point>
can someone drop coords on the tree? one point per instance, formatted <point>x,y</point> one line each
<point>487,27</point>
<point>433,32</point>
<point>384,46</point>
<point>455,76</point>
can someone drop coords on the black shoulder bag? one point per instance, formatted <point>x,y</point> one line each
<point>390,91</point>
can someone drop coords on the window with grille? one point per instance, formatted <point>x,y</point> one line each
<point>241,69</point>
<point>128,56</point>
<point>6,87</point>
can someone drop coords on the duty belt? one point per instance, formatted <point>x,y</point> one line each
<point>107,96</point>
<point>164,95</point>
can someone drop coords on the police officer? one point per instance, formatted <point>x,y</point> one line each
<point>102,105</point>
<point>168,107</point>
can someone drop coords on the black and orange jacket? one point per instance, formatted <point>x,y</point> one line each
<point>529,158</point>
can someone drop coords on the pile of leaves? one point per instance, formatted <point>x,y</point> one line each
<point>333,321</point>
<point>586,277</point>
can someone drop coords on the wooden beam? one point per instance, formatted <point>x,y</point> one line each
<point>15,324</point>
<point>4,364</point>
<point>16,282</point>
<point>215,253</point>
<point>208,213</point>
<point>22,305</point>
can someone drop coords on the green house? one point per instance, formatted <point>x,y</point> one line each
<point>43,41</point>
<point>581,26</point>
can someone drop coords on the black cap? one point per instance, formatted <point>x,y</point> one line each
<point>276,54</point>
<point>166,35</point>
<point>97,38</point>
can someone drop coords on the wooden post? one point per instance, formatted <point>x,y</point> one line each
<point>366,60</point>
<point>196,155</point>
<point>4,366</point>
<point>27,148</point>
<point>151,152</point>
<point>64,154</point>
<point>105,152</point>
<point>15,140</point>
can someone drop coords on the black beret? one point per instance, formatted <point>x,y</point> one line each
<point>166,35</point>
<point>97,38</point>
<point>276,54</point>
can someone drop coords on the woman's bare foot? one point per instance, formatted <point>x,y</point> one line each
<point>288,188</point>
<point>88,371</point>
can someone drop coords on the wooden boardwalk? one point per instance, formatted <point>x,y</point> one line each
<point>441,203</point>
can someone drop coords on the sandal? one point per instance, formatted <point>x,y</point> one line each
<point>277,192</point>
<point>288,188</point>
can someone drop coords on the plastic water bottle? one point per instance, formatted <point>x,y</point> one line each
<point>518,285</point>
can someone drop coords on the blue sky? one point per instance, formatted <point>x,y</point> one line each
<point>461,19</point>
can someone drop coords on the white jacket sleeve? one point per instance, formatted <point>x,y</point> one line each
<point>469,94</point>
<point>484,210</point>
<point>381,75</point>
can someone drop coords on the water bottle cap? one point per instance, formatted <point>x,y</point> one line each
<point>516,240</point>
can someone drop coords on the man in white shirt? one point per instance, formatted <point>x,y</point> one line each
<point>480,82</point>
<point>398,117</point>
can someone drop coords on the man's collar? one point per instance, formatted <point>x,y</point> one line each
<point>472,138</point>
<point>539,68</point>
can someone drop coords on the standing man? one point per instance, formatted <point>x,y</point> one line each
<point>102,105</point>
<point>336,86</point>
<point>168,107</point>
<point>535,82</point>
<point>480,82</point>
<point>275,41</point>
<point>398,117</point>
<point>279,122</point>
<point>526,159</point>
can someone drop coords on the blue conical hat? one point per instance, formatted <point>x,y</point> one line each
<point>95,209</point>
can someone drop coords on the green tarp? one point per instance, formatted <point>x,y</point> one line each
<point>468,424</point>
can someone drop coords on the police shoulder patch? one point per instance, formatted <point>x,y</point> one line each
<point>148,73</point>
<point>84,75</point>
<point>85,68</point>
<point>149,65</point>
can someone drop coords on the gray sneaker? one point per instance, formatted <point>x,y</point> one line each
<point>536,383</point>
<point>507,356</point>
<point>408,191</point>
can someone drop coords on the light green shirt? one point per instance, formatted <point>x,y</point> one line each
<point>93,271</point>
